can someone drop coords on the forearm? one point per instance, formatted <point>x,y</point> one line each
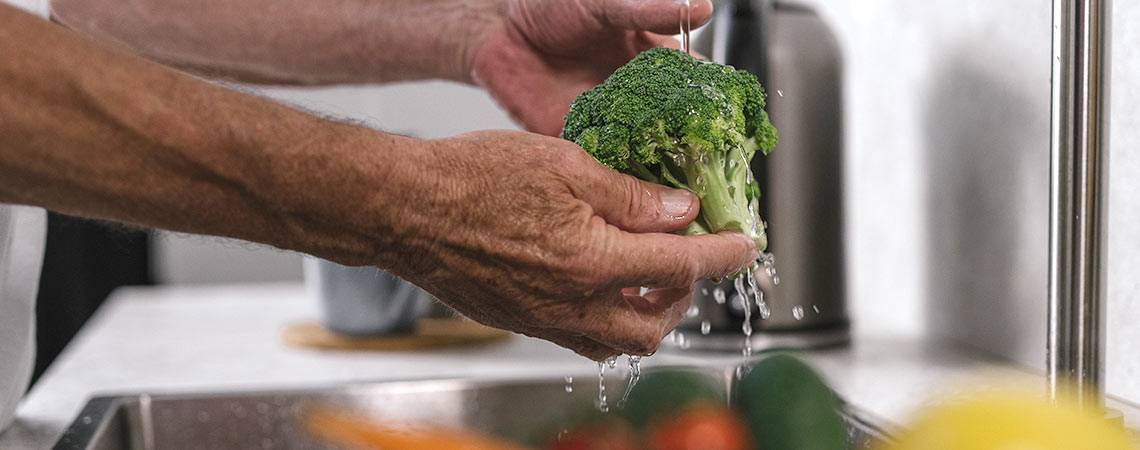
<point>294,41</point>
<point>96,132</point>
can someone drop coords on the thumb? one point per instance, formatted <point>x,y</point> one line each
<point>638,206</point>
<point>655,16</point>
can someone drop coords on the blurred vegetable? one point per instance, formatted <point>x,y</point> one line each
<point>700,427</point>
<point>605,434</point>
<point>666,392</point>
<point>787,406</point>
<point>348,430</point>
<point>1010,420</point>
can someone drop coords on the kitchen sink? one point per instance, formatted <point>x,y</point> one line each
<point>525,410</point>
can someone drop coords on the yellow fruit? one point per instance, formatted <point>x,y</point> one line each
<point>1010,421</point>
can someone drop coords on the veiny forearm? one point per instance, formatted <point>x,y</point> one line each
<point>294,41</point>
<point>93,131</point>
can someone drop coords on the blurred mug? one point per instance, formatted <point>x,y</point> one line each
<point>364,301</point>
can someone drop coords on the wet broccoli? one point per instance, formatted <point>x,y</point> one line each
<point>671,119</point>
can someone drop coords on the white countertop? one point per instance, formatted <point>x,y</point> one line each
<point>228,337</point>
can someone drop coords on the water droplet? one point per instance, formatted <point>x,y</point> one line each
<point>704,291</point>
<point>611,362</point>
<point>798,312</point>
<point>693,311</point>
<point>718,295</point>
<point>815,308</point>
<point>706,327</point>
<point>779,92</point>
<point>757,294</point>
<point>569,384</point>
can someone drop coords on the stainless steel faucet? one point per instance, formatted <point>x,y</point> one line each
<point>1078,199</point>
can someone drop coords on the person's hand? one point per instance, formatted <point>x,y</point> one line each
<point>546,52</point>
<point>528,233</point>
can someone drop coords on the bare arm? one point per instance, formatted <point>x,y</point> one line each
<point>295,41</point>
<point>515,230</point>
<point>532,56</point>
<point>97,132</point>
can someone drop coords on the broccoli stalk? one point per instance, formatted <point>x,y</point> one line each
<point>671,119</point>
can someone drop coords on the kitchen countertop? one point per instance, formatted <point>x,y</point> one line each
<point>169,339</point>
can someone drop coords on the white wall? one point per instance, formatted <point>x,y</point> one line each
<point>948,119</point>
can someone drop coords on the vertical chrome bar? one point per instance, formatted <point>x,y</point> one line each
<point>1078,191</point>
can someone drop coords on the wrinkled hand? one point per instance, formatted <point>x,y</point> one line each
<point>546,52</point>
<point>528,233</point>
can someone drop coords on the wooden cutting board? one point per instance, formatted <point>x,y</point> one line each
<point>430,333</point>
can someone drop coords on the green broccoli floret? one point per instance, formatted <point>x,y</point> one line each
<point>668,118</point>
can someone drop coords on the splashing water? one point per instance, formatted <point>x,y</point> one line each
<point>719,296</point>
<point>769,262</point>
<point>757,294</point>
<point>634,377</point>
<point>742,294</point>
<point>686,24</point>
<point>601,402</point>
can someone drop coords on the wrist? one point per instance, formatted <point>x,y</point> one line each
<point>330,188</point>
<point>470,24</point>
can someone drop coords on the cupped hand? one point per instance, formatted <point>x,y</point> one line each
<point>546,52</point>
<point>528,233</point>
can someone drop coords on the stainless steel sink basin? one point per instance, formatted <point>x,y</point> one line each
<point>523,410</point>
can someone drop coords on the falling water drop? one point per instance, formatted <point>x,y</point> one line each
<point>718,295</point>
<point>601,403</point>
<point>634,377</point>
<point>798,312</point>
<point>706,327</point>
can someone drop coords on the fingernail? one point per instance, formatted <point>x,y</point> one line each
<point>676,202</point>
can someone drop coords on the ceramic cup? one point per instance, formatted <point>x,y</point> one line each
<point>364,301</point>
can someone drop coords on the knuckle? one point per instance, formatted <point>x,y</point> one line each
<point>638,199</point>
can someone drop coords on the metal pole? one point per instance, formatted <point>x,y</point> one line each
<point>1077,203</point>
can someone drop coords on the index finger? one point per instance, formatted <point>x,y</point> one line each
<point>661,260</point>
<point>657,16</point>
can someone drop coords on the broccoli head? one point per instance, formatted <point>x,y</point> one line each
<point>671,119</point>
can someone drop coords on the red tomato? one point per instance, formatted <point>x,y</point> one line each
<point>700,427</point>
<point>604,435</point>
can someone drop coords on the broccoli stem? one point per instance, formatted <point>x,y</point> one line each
<point>723,191</point>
